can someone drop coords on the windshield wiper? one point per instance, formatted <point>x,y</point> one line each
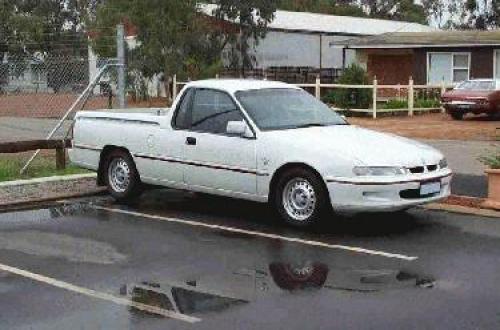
<point>311,125</point>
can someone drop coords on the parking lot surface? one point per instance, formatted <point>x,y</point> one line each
<point>181,261</point>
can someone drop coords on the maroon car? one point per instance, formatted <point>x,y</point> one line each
<point>473,96</point>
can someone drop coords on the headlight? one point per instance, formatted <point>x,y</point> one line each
<point>443,163</point>
<point>379,170</point>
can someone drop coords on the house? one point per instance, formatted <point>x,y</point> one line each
<point>302,39</point>
<point>25,73</point>
<point>434,57</point>
<point>295,40</point>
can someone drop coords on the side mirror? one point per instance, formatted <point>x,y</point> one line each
<point>239,128</point>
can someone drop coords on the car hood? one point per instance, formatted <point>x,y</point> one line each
<point>364,146</point>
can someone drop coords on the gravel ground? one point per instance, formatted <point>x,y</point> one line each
<point>47,190</point>
<point>435,126</point>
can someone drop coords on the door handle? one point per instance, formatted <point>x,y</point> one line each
<point>190,141</point>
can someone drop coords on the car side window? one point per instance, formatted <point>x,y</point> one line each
<point>211,111</point>
<point>181,120</point>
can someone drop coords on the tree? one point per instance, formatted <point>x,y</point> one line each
<point>171,37</point>
<point>400,10</point>
<point>252,18</point>
<point>44,26</point>
<point>330,7</point>
<point>435,11</point>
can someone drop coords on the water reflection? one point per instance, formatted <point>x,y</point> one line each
<point>242,286</point>
<point>71,209</point>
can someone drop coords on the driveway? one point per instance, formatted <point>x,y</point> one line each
<point>175,261</point>
<point>469,178</point>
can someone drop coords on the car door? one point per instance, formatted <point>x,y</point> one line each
<point>215,160</point>
<point>161,159</point>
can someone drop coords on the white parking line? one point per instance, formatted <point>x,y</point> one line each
<point>98,295</point>
<point>259,234</point>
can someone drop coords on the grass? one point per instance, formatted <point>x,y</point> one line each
<point>43,166</point>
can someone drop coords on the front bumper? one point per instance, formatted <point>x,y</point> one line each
<point>385,194</point>
<point>467,107</point>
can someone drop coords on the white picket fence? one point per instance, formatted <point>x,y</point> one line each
<point>411,88</point>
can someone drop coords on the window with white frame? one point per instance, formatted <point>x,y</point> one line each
<point>496,61</point>
<point>447,67</point>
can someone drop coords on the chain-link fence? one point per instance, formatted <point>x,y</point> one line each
<point>35,92</point>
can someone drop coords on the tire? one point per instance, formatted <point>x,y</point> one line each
<point>301,198</point>
<point>122,178</point>
<point>457,115</point>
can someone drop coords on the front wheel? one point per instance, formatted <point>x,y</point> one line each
<point>122,177</point>
<point>301,197</point>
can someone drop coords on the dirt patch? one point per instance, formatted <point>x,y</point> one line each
<point>464,201</point>
<point>435,126</point>
<point>44,105</point>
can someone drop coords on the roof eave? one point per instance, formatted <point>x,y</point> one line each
<point>401,46</point>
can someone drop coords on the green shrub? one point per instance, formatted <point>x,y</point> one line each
<point>396,104</point>
<point>427,103</point>
<point>347,98</point>
<point>419,103</point>
<point>492,160</point>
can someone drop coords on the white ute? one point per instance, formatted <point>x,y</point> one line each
<point>262,141</point>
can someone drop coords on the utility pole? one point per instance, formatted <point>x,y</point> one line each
<point>120,54</point>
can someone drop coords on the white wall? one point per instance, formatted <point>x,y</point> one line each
<point>301,50</point>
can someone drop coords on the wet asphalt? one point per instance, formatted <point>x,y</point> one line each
<point>234,280</point>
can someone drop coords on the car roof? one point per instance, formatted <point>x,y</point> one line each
<point>234,85</point>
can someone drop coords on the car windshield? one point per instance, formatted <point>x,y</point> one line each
<point>278,108</point>
<point>477,85</point>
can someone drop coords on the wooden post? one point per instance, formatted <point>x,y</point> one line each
<point>318,87</point>
<point>374,97</point>
<point>411,97</point>
<point>174,87</point>
<point>443,90</point>
<point>216,76</point>
<point>60,158</point>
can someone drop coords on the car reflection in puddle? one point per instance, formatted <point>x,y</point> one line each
<point>72,209</point>
<point>199,297</point>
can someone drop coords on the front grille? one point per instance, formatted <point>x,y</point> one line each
<point>416,170</point>
<point>421,169</point>
<point>431,168</point>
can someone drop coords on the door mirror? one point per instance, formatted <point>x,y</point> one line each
<point>239,128</point>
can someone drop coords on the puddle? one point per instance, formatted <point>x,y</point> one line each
<point>42,215</point>
<point>209,293</point>
<point>71,209</point>
<point>298,277</point>
<point>57,245</point>
<point>179,298</point>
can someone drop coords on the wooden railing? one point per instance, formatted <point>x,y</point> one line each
<point>411,90</point>
<point>60,147</point>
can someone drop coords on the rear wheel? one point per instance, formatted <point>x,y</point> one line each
<point>457,115</point>
<point>122,178</point>
<point>301,197</point>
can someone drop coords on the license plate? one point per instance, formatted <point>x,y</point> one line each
<point>430,188</point>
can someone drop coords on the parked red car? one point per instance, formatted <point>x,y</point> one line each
<point>473,96</point>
